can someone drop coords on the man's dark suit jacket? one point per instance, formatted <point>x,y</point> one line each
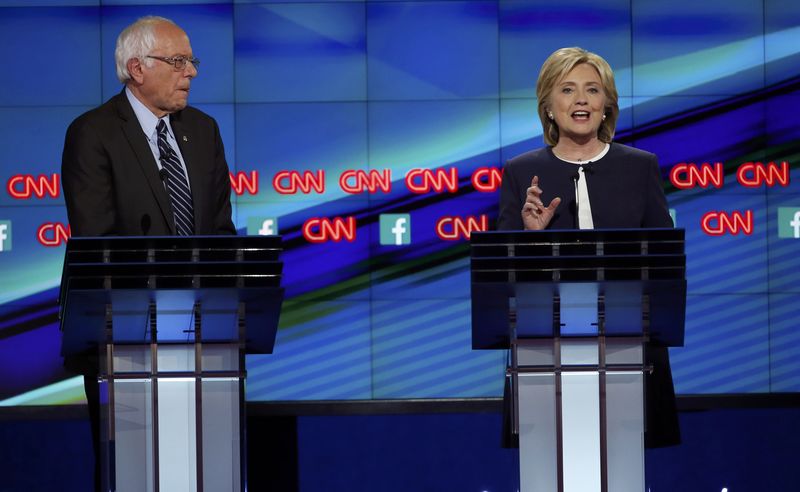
<point>112,186</point>
<point>625,191</point>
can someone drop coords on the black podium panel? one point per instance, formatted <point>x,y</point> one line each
<point>622,266</point>
<point>132,274</point>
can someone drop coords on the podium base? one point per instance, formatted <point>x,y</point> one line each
<point>581,429</point>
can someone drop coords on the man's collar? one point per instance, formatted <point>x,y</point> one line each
<point>147,120</point>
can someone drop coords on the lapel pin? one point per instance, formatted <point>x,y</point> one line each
<point>185,139</point>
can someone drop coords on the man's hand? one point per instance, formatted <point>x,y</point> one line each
<point>535,216</point>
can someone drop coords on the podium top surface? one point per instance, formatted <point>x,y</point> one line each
<point>573,236</point>
<point>179,262</point>
<point>578,255</point>
<point>79,245</point>
<point>134,278</point>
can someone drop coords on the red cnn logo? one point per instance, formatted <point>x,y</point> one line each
<point>240,182</point>
<point>357,181</point>
<point>425,180</point>
<point>24,186</point>
<point>754,174</point>
<point>290,182</point>
<point>684,176</point>
<point>487,179</point>
<point>320,230</point>
<point>52,234</point>
<point>451,228</point>
<point>719,223</point>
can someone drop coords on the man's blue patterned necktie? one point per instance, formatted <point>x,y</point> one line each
<point>177,186</point>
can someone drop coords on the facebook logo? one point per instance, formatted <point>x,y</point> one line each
<point>5,235</point>
<point>262,226</point>
<point>395,229</point>
<point>789,222</point>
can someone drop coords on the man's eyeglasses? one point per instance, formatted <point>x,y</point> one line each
<point>179,62</point>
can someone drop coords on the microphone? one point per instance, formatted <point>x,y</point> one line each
<point>588,167</point>
<point>145,223</point>
<point>575,177</point>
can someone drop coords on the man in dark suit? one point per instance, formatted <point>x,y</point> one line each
<point>144,163</point>
<point>112,171</point>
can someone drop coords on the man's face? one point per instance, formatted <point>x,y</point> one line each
<point>162,88</point>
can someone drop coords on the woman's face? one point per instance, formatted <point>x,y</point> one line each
<point>577,103</point>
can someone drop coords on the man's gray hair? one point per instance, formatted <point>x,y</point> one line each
<point>136,41</point>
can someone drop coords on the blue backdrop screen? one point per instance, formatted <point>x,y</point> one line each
<point>340,117</point>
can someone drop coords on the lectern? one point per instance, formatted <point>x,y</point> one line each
<point>576,308</point>
<point>169,320</point>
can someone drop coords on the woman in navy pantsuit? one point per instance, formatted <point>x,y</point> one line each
<point>583,180</point>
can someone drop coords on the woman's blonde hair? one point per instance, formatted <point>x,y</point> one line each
<point>554,69</point>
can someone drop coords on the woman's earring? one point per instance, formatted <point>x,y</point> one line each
<point>550,115</point>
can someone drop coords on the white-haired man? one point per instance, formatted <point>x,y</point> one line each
<point>145,163</point>
<point>117,179</point>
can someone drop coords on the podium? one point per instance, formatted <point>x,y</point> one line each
<point>575,309</point>
<point>169,320</point>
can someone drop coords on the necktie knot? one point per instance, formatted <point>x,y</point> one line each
<point>161,128</point>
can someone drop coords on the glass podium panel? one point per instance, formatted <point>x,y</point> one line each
<point>222,457</point>
<point>132,446</point>
<point>538,470</point>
